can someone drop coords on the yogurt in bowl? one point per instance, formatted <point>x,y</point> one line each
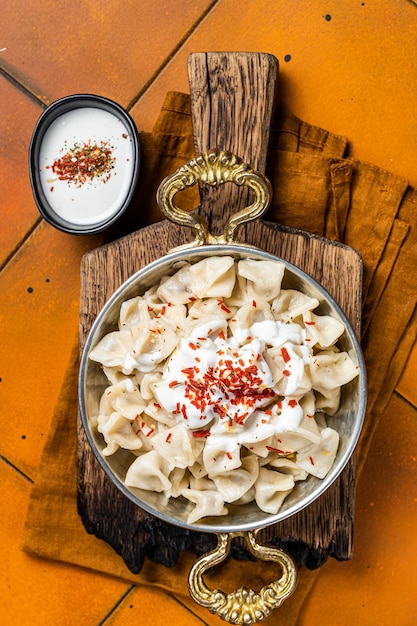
<point>84,163</point>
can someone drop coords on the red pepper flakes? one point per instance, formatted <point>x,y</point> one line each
<point>286,372</point>
<point>254,303</point>
<point>292,403</point>
<point>239,385</point>
<point>223,306</point>
<point>198,434</point>
<point>240,419</point>
<point>168,438</point>
<point>311,460</point>
<point>276,450</point>
<point>285,354</point>
<point>84,163</point>
<point>229,456</point>
<point>310,323</point>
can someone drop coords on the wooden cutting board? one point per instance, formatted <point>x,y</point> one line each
<point>232,97</point>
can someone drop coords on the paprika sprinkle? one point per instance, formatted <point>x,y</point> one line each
<point>85,163</point>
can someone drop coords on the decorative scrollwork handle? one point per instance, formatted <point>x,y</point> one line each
<point>213,168</point>
<point>242,606</point>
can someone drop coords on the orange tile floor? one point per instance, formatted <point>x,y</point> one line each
<point>348,66</point>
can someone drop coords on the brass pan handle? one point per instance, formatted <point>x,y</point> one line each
<point>213,168</point>
<point>242,606</point>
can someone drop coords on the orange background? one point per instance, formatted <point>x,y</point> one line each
<point>347,66</point>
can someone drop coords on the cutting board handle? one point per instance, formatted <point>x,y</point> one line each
<point>232,101</point>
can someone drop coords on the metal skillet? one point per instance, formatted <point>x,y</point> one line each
<point>242,606</point>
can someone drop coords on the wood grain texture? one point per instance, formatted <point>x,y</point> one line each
<point>232,100</point>
<point>323,529</point>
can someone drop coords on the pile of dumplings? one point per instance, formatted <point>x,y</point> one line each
<point>219,383</point>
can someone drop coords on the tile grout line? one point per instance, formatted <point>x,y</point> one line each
<point>118,603</point>
<point>16,469</point>
<point>21,243</point>
<point>170,56</point>
<point>19,85</point>
<point>402,397</point>
<point>184,606</point>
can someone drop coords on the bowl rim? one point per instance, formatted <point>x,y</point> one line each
<point>265,519</point>
<point>50,114</point>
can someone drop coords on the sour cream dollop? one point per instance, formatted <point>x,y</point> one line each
<point>214,381</point>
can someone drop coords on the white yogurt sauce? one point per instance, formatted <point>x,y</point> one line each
<point>93,201</point>
<point>215,380</point>
<point>211,382</point>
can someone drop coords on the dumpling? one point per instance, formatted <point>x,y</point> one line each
<point>330,370</point>
<point>288,366</point>
<point>179,479</point>
<point>118,433</point>
<point>112,349</point>
<point>234,484</point>
<point>318,458</point>
<point>202,484</point>
<point>264,278</point>
<point>213,277</point>
<point>178,446</point>
<point>153,343</point>
<point>323,330</point>
<point>212,308</point>
<point>149,471</point>
<point>286,466</point>
<point>148,382</point>
<point>328,402</point>
<point>218,458</point>
<point>177,289</point>
<point>114,375</point>
<point>239,295</point>
<point>271,489</point>
<point>291,303</point>
<point>123,397</point>
<point>253,320</point>
<point>145,428</point>
<point>133,312</point>
<point>208,503</point>
<point>198,470</point>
